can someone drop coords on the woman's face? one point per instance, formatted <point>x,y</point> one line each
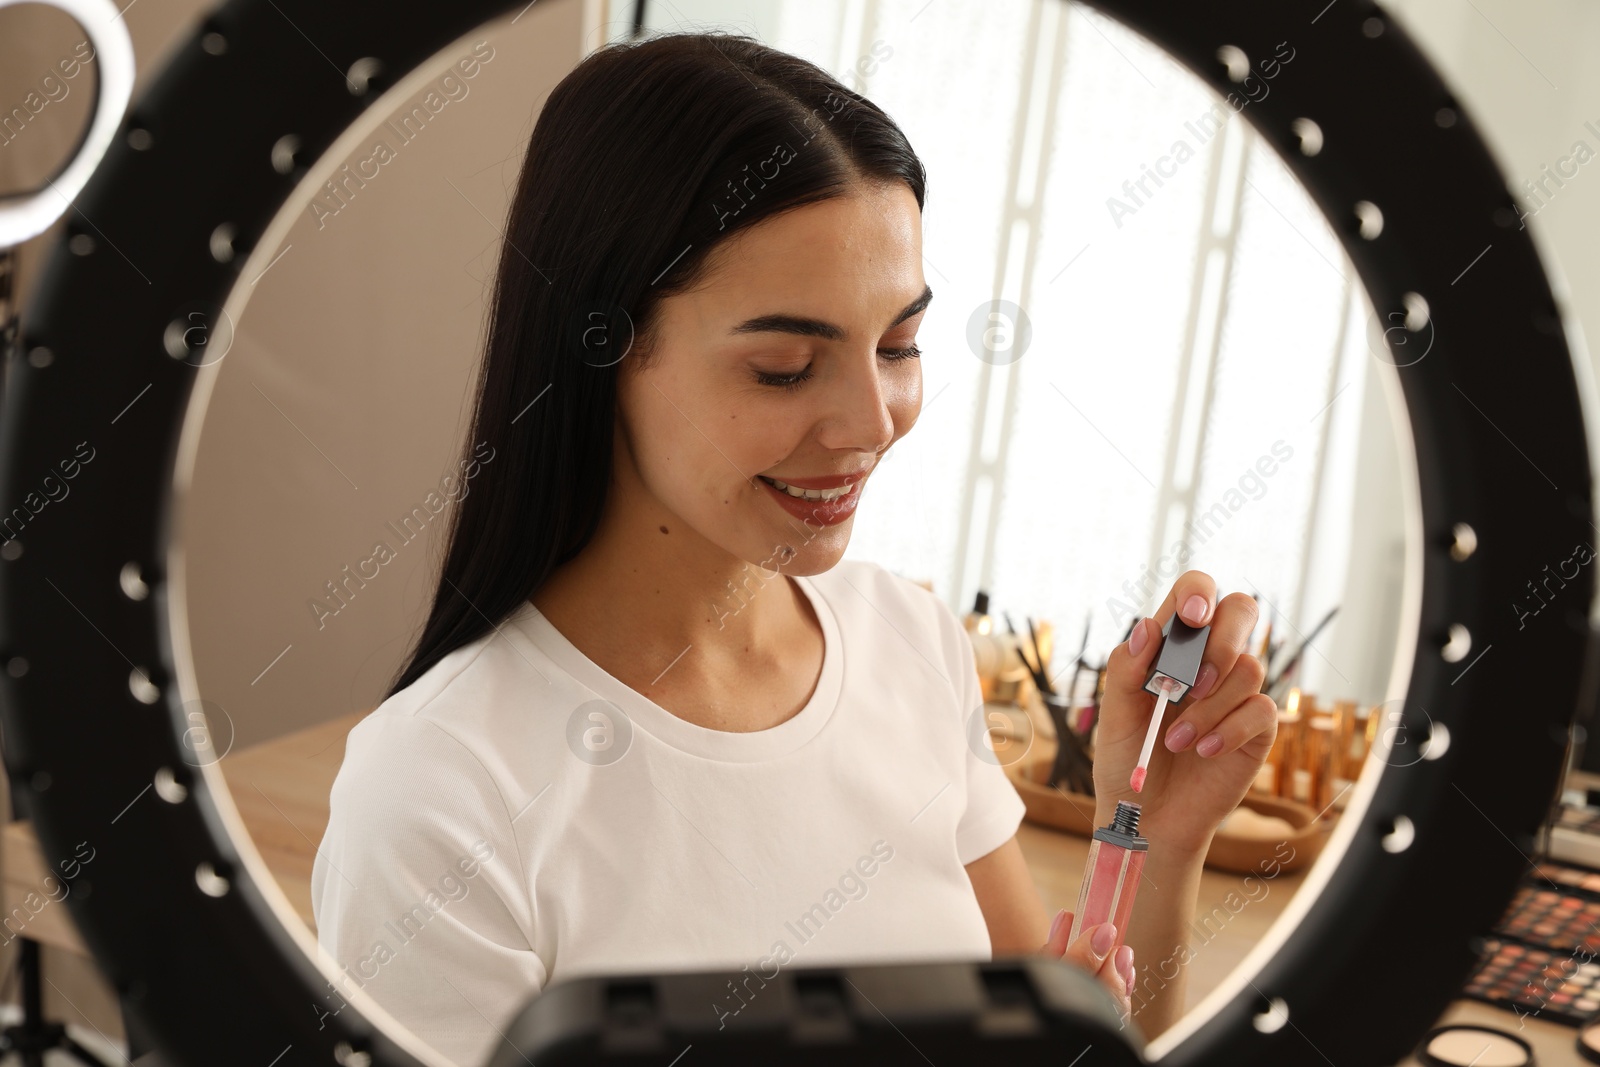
<point>818,297</point>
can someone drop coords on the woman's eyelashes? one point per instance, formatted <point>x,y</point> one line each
<point>784,381</point>
<point>793,381</point>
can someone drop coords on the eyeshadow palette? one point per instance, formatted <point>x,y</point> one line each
<point>1565,875</point>
<point>1555,920</point>
<point>1555,986</point>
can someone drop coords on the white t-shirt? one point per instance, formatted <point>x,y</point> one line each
<point>518,816</point>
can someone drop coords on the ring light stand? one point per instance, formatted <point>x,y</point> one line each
<point>201,946</point>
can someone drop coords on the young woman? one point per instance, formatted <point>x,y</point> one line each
<point>653,721</point>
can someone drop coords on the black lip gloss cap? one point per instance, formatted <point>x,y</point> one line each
<point>1123,829</point>
<point>1182,648</point>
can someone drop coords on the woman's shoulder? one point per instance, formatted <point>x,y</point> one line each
<point>477,702</point>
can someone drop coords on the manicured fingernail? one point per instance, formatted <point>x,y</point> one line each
<point>1179,736</point>
<point>1209,745</point>
<point>1202,684</point>
<point>1055,925</point>
<point>1137,639</point>
<point>1194,610</point>
<point>1104,935</point>
<point>1125,966</point>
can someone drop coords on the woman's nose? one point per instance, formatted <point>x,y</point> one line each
<point>859,415</point>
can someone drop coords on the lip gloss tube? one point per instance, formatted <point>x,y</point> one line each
<point>1111,874</point>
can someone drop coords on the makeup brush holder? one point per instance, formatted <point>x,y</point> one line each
<point>1072,767</point>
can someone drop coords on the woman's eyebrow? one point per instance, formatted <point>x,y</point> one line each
<point>805,327</point>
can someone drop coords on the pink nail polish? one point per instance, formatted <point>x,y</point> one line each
<point>1203,683</point>
<point>1136,640</point>
<point>1055,925</point>
<point>1194,610</point>
<point>1179,736</point>
<point>1209,745</point>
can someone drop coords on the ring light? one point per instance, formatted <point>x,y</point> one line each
<point>91,605</point>
<point>28,216</point>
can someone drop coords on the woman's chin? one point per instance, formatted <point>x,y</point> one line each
<point>809,550</point>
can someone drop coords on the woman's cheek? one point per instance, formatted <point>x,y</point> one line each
<point>905,404</point>
<point>767,434</point>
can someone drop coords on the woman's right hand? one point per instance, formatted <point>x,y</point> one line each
<point>1092,952</point>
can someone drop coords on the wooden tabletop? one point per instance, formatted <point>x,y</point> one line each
<point>281,789</point>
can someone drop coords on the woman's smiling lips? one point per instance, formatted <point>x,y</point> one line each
<point>829,481</point>
<point>821,512</point>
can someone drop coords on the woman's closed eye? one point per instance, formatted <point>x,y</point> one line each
<point>793,381</point>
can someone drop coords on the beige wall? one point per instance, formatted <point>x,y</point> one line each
<point>345,397</point>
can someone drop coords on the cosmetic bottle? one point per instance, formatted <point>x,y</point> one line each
<point>977,621</point>
<point>1319,745</point>
<point>1111,874</point>
<point>1346,768</point>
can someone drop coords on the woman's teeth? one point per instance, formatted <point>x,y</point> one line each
<point>808,494</point>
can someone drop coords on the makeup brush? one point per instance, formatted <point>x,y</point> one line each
<point>1072,767</point>
<point>1038,678</point>
<point>1038,656</point>
<point>1077,661</point>
<point>1274,647</point>
<point>1294,660</point>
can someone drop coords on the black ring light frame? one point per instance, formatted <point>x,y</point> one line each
<point>183,918</point>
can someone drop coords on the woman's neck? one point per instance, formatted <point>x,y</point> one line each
<point>708,636</point>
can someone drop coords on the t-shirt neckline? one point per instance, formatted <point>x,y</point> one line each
<point>723,745</point>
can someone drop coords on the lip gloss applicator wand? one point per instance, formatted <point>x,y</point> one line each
<point>1173,674</point>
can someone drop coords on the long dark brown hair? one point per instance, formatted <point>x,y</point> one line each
<point>644,159</point>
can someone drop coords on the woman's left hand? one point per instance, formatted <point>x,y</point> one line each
<point>1215,740</point>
